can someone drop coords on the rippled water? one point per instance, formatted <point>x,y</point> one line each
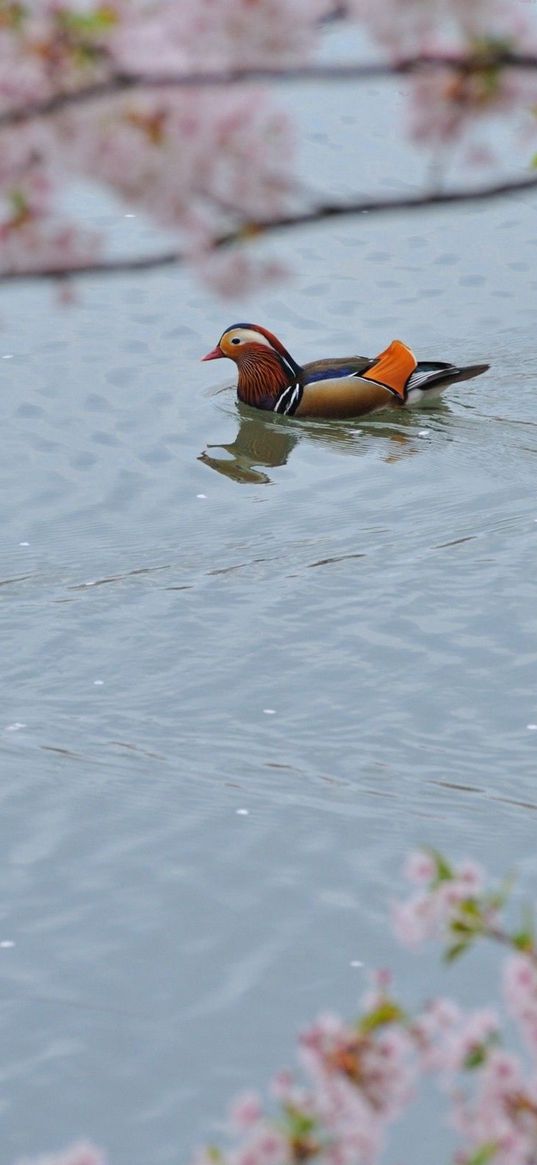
<point>247,663</point>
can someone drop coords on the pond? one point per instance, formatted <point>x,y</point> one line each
<point>248,662</point>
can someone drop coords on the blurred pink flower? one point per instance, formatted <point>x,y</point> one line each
<point>471,874</point>
<point>378,1063</point>
<point>446,104</point>
<point>424,24</point>
<point>502,1110</point>
<point>520,992</point>
<point>419,867</point>
<point>265,1146</point>
<point>245,1111</point>
<point>428,912</point>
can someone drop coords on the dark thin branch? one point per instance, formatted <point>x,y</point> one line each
<point>106,267</point>
<point>380,206</point>
<point>123,82</point>
<point>256,229</point>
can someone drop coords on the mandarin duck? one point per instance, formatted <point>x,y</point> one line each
<point>270,379</point>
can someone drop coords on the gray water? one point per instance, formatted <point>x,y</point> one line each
<point>248,663</point>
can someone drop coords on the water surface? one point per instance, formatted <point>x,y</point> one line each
<point>248,662</point>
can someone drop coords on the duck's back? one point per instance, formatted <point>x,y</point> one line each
<point>341,366</point>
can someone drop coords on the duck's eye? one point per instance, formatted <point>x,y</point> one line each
<point>235,340</point>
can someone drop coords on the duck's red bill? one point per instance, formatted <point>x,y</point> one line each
<point>216,354</point>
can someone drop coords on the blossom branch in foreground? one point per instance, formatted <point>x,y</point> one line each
<point>156,104</point>
<point>358,1078</point>
<point>258,228</point>
<point>452,904</point>
<point>344,72</point>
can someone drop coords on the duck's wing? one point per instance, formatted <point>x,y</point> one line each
<point>352,386</point>
<point>343,365</point>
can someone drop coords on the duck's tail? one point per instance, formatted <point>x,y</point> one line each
<point>468,372</point>
<point>431,378</point>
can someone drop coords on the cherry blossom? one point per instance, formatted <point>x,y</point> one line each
<point>520,991</point>
<point>444,899</point>
<point>501,1112</point>
<point>204,161</point>
<point>429,23</point>
<point>447,105</point>
<point>420,867</point>
<point>376,1063</point>
<point>245,1111</point>
<point>225,35</point>
<point>355,1078</point>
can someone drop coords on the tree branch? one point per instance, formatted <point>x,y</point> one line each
<point>380,206</point>
<point>125,82</point>
<point>104,267</point>
<point>255,229</point>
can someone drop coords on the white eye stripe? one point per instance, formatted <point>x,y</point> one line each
<point>248,336</point>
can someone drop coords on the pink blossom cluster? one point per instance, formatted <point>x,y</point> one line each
<point>198,162</point>
<point>176,34</point>
<point>50,46</point>
<point>429,25</point>
<point>493,1097</point>
<point>439,899</point>
<point>493,1092</point>
<point>500,1112</point>
<point>447,105</point>
<point>358,1078</point>
<point>520,993</point>
<point>376,1060</point>
<point>356,1081</point>
<point>449,1039</point>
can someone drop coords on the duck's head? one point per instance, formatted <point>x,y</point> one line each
<point>244,342</point>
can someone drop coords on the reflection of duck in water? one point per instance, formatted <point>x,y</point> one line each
<point>270,379</point>
<point>262,443</point>
<point>258,443</point>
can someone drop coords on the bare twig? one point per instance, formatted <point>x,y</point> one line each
<point>104,267</point>
<point>124,82</point>
<point>381,206</point>
<point>253,229</point>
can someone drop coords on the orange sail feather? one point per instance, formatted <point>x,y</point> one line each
<point>393,367</point>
